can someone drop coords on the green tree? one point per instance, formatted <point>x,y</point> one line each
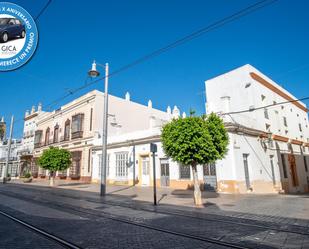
<point>55,159</point>
<point>195,140</point>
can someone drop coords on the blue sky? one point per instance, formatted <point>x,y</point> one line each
<point>73,33</point>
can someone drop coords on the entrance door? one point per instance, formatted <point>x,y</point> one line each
<point>145,171</point>
<point>210,177</point>
<point>293,172</point>
<point>165,172</point>
<point>246,169</point>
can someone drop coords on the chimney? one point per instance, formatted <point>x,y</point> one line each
<point>39,107</point>
<point>176,112</point>
<point>127,97</point>
<point>184,115</point>
<point>27,113</point>
<point>169,110</point>
<point>149,104</point>
<point>33,109</point>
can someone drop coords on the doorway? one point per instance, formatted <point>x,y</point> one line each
<point>246,170</point>
<point>210,177</point>
<point>165,172</point>
<point>145,171</point>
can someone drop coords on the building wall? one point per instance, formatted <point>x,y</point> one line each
<point>257,90</point>
<point>124,116</point>
<point>141,140</point>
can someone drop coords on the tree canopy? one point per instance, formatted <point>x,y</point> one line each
<point>195,140</point>
<point>55,159</point>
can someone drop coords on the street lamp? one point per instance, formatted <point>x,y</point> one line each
<point>94,73</point>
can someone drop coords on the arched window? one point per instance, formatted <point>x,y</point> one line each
<point>56,133</point>
<point>47,136</point>
<point>67,130</point>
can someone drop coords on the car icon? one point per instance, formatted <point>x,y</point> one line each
<point>11,28</point>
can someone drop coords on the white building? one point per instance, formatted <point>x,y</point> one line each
<point>30,126</point>
<point>14,159</point>
<point>269,147</point>
<point>130,159</point>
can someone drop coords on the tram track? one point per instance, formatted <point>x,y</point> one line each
<point>102,214</point>
<point>60,241</point>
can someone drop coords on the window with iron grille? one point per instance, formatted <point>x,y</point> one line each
<point>77,125</point>
<point>184,172</point>
<point>121,164</point>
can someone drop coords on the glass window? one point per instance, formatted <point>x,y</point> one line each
<point>47,136</point>
<point>300,128</point>
<point>77,123</point>
<point>67,130</point>
<point>38,137</point>
<point>184,172</point>
<point>285,122</point>
<point>266,113</point>
<point>121,164</point>
<point>56,134</point>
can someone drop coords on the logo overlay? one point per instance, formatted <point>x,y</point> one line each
<point>18,36</point>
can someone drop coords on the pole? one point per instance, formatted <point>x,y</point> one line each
<point>154,179</point>
<point>5,169</point>
<point>104,136</point>
<point>134,165</point>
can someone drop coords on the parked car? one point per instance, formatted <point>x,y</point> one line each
<point>11,28</point>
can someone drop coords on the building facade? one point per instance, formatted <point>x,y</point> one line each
<point>26,150</point>
<point>268,132</point>
<point>77,127</point>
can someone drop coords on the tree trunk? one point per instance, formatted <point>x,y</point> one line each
<point>52,180</point>
<point>197,192</point>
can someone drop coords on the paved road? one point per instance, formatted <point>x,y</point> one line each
<point>93,223</point>
<point>15,236</point>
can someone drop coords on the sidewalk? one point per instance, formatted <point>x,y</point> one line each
<point>272,206</point>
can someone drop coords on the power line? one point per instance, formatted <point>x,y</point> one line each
<point>42,10</point>
<point>266,106</point>
<point>217,24</point>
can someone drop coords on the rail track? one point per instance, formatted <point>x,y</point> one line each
<point>102,214</point>
<point>215,218</point>
<point>63,243</point>
<point>108,215</point>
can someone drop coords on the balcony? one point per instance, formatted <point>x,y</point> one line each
<point>38,145</point>
<point>77,134</point>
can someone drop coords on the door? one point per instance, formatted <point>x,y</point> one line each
<point>246,170</point>
<point>165,172</point>
<point>210,177</point>
<point>145,171</point>
<point>293,173</point>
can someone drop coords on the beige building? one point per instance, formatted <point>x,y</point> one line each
<point>77,127</point>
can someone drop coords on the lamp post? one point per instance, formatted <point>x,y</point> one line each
<point>94,73</point>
